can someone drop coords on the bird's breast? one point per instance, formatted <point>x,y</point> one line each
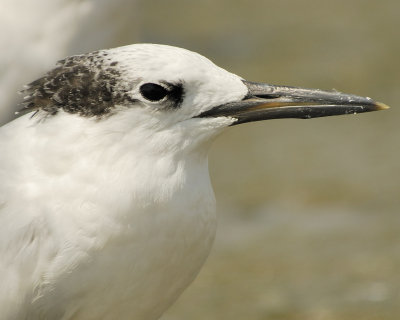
<point>139,274</point>
<point>132,257</point>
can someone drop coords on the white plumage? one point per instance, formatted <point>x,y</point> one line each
<point>106,207</point>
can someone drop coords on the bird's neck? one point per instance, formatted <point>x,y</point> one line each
<point>136,166</point>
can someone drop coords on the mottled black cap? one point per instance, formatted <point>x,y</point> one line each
<point>90,85</point>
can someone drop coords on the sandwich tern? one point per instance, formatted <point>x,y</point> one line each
<point>106,206</point>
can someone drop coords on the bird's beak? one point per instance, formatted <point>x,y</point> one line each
<point>265,101</point>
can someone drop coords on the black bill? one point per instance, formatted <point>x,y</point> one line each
<point>266,101</point>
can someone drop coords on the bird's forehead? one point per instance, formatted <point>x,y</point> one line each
<point>161,62</point>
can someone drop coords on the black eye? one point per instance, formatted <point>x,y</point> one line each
<point>153,91</point>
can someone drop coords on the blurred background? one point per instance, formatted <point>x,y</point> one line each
<point>309,210</point>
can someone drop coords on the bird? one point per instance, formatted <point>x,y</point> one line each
<point>106,206</point>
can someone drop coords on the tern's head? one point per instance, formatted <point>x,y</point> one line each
<point>157,88</point>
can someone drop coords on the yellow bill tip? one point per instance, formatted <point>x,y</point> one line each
<point>381,106</point>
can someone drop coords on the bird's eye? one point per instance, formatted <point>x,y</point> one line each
<point>153,91</point>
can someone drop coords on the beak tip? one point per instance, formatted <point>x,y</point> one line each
<point>381,106</point>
